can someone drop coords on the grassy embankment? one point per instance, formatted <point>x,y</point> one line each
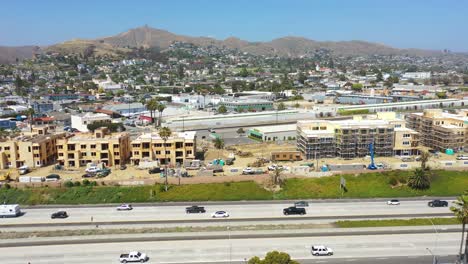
<point>372,185</point>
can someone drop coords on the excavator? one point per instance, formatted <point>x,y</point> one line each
<point>6,176</point>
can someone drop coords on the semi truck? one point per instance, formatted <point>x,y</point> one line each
<point>9,210</point>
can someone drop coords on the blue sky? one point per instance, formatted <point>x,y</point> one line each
<point>428,24</point>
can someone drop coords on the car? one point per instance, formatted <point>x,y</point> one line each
<point>294,210</point>
<point>59,214</point>
<point>406,159</point>
<point>123,167</point>
<point>321,250</point>
<point>393,202</point>
<point>134,256</point>
<point>274,167</point>
<point>462,157</point>
<point>23,170</point>
<point>124,207</point>
<point>301,204</point>
<point>195,209</point>
<point>437,203</point>
<point>248,170</point>
<point>92,169</point>
<point>219,214</point>
<point>52,177</point>
<point>88,175</point>
<point>102,173</point>
<point>211,130</point>
<point>154,170</point>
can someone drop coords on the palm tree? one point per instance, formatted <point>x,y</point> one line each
<point>30,113</point>
<point>165,133</point>
<point>424,159</point>
<point>419,180</point>
<point>152,105</point>
<point>218,144</point>
<point>160,109</point>
<point>3,133</point>
<point>277,177</point>
<point>460,209</point>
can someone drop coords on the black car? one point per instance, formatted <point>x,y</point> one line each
<point>59,214</point>
<point>195,209</point>
<point>301,204</point>
<point>52,177</point>
<point>294,210</point>
<point>437,203</point>
<point>154,170</point>
<point>88,175</point>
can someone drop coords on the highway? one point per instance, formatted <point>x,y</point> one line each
<point>248,213</point>
<point>402,248</point>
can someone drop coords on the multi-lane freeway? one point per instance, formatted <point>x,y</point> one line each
<point>260,212</point>
<point>412,248</point>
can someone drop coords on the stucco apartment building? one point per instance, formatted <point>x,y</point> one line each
<point>76,151</point>
<point>179,147</point>
<point>441,130</point>
<point>351,138</point>
<point>34,149</point>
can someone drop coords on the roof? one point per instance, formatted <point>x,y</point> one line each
<point>276,128</point>
<point>175,135</point>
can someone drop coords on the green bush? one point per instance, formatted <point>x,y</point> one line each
<point>68,184</point>
<point>393,181</point>
<point>7,186</point>
<point>77,184</point>
<point>86,182</point>
<point>93,183</point>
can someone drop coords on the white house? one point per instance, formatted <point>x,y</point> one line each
<point>81,122</point>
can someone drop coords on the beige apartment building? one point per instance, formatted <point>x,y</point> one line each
<point>440,130</point>
<point>179,148</point>
<point>112,149</point>
<point>34,149</point>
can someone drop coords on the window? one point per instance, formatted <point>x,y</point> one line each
<point>93,154</point>
<point>29,149</point>
<point>136,153</point>
<point>406,143</point>
<point>105,146</point>
<point>60,154</point>
<point>36,155</point>
<point>189,152</point>
<point>116,154</point>
<point>406,135</point>
<point>93,146</point>
<point>168,152</point>
<point>158,152</point>
<point>83,146</point>
<point>7,148</point>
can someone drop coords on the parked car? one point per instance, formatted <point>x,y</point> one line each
<point>59,214</point>
<point>393,202</point>
<point>134,256</point>
<point>92,169</point>
<point>274,167</point>
<point>294,210</point>
<point>154,170</point>
<point>320,250</point>
<point>462,157</point>
<point>248,170</point>
<point>88,175</point>
<point>123,167</point>
<point>102,173</point>
<point>437,203</point>
<point>219,214</point>
<point>195,209</point>
<point>52,177</point>
<point>301,204</point>
<point>23,170</point>
<point>406,159</point>
<point>124,207</point>
<point>211,130</point>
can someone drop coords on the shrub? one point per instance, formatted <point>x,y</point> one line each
<point>7,186</point>
<point>68,184</point>
<point>86,182</point>
<point>93,183</point>
<point>393,181</point>
<point>227,184</point>
<point>77,184</point>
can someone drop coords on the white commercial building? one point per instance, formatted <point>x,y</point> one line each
<point>81,122</point>
<point>417,75</point>
<point>274,133</point>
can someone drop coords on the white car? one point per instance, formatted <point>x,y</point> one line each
<point>219,214</point>
<point>92,169</point>
<point>393,202</point>
<point>274,167</point>
<point>124,207</point>
<point>321,251</point>
<point>248,170</point>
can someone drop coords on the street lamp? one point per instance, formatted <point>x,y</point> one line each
<point>230,245</point>
<point>434,258</point>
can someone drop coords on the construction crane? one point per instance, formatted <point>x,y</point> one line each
<point>371,151</point>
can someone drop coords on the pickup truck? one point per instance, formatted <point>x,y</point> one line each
<point>294,210</point>
<point>134,256</point>
<point>437,203</point>
<point>195,209</point>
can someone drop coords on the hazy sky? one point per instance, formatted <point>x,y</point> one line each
<point>428,24</point>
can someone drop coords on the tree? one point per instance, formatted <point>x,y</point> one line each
<point>240,131</point>
<point>460,209</point>
<point>419,180</point>
<point>273,257</point>
<point>243,72</point>
<point>281,107</point>
<point>30,113</point>
<point>277,176</point>
<point>152,106</point>
<point>222,109</point>
<point>160,109</point>
<point>165,133</point>
<point>424,159</point>
<point>357,87</point>
<point>218,144</point>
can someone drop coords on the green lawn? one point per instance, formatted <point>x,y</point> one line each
<point>398,222</point>
<point>445,183</point>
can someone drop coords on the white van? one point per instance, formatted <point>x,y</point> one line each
<point>9,210</point>
<point>462,157</point>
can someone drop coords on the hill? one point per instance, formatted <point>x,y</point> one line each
<point>10,54</point>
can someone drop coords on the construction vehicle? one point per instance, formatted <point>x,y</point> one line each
<point>5,177</point>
